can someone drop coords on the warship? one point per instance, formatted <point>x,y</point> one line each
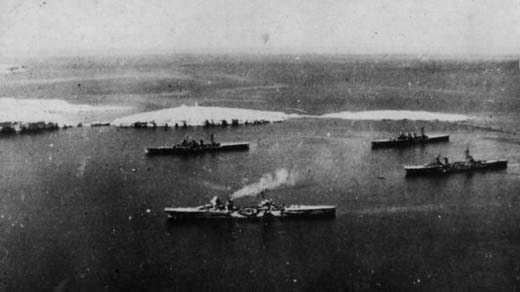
<point>438,167</point>
<point>265,209</point>
<point>190,146</point>
<point>410,139</point>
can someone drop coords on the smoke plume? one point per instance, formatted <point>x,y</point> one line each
<point>282,177</point>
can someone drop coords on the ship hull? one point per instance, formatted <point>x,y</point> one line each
<point>176,150</point>
<point>409,142</point>
<point>197,213</point>
<point>455,167</point>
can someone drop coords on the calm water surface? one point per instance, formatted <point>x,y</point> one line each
<point>81,209</point>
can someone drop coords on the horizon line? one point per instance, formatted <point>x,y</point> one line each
<point>253,52</point>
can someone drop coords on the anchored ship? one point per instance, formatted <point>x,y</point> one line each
<point>266,209</point>
<point>409,139</point>
<point>446,167</point>
<point>193,147</point>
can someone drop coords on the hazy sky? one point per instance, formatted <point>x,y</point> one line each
<point>486,27</point>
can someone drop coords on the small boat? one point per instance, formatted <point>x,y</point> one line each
<point>266,209</point>
<point>7,128</point>
<point>445,167</point>
<point>408,140</point>
<point>100,124</point>
<point>194,147</point>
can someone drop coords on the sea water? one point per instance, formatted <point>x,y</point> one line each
<point>81,209</point>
